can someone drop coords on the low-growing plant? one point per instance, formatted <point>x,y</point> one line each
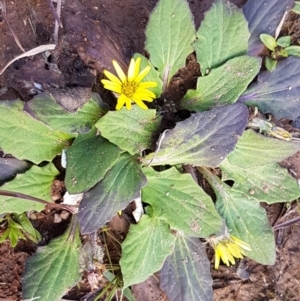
<point>112,160</point>
<point>280,48</point>
<point>18,226</point>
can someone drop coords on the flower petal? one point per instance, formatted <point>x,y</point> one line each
<point>142,97</point>
<point>119,71</point>
<point>111,86</point>
<point>234,250</point>
<point>112,77</point>
<point>140,103</point>
<point>225,254</point>
<point>137,67</point>
<point>131,70</point>
<point>121,101</point>
<point>145,92</point>
<point>241,243</point>
<point>128,103</point>
<point>134,69</point>
<point>142,74</point>
<point>148,84</point>
<point>217,259</point>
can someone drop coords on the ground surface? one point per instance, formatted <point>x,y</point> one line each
<point>33,24</point>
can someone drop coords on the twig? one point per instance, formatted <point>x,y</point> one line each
<point>160,139</point>
<point>19,195</point>
<point>56,26</point>
<point>190,169</point>
<point>288,223</point>
<point>31,52</point>
<point>54,12</point>
<point>278,29</point>
<point>32,18</point>
<point>3,8</point>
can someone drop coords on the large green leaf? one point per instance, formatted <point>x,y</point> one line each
<point>45,108</point>
<point>88,160</point>
<point>277,92</point>
<point>130,130</point>
<point>169,37</point>
<point>120,186</point>
<point>53,269</point>
<point>254,149</point>
<point>245,219</point>
<point>186,272</point>
<point>204,139</point>
<point>223,34</point>
<point>223,85</point>
<point>36,141</point>
<point>267,183</point>
<point>36,182</point>
<point>171,194</point>
<point>145,249</point>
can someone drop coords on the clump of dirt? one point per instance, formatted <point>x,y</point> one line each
<point>12,263</point>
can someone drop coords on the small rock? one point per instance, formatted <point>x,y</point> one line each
<point>57,218</point>
<point>33,216</point>
<point>64,214</point>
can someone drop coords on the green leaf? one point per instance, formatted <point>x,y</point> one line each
<point>127,292</point>
<point>27,226</point>
<point>53,269</point>
<point>120,186</point>
<point>13,232</point>
<point>223,35</point>
<point>276,92</point>
<point>186,272</point>
<point>171,194</point>
<point>284,41</point>
<point>145,249</point>
<point>293,51</point>
<point>130,130</point>
<point>254,149</point>
<point>88,160</point>
<point>248,221</point>
<point>44,107</point>
<point>283,53</point>
<point>296,7</point>
<point>169,36</point>
<point>204,139</point>
<point>270,64</point>
<point>223,85</point>
<point>268,41</point>
<point>266,183</point>
<point>36,182</point>
<point>245,219</point>
<point>152,76</point>
<point>37,142</point>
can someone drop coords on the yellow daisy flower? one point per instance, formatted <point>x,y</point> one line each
<point>227,247</point>
<point>130,88</point>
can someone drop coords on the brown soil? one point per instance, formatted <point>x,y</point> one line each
<point>78,49</point>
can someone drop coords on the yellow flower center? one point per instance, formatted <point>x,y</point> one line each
<point>129,88</point>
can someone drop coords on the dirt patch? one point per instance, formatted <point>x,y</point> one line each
<point>12,263</point>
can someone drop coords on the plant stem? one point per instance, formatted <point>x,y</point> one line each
<point>71,209</point>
